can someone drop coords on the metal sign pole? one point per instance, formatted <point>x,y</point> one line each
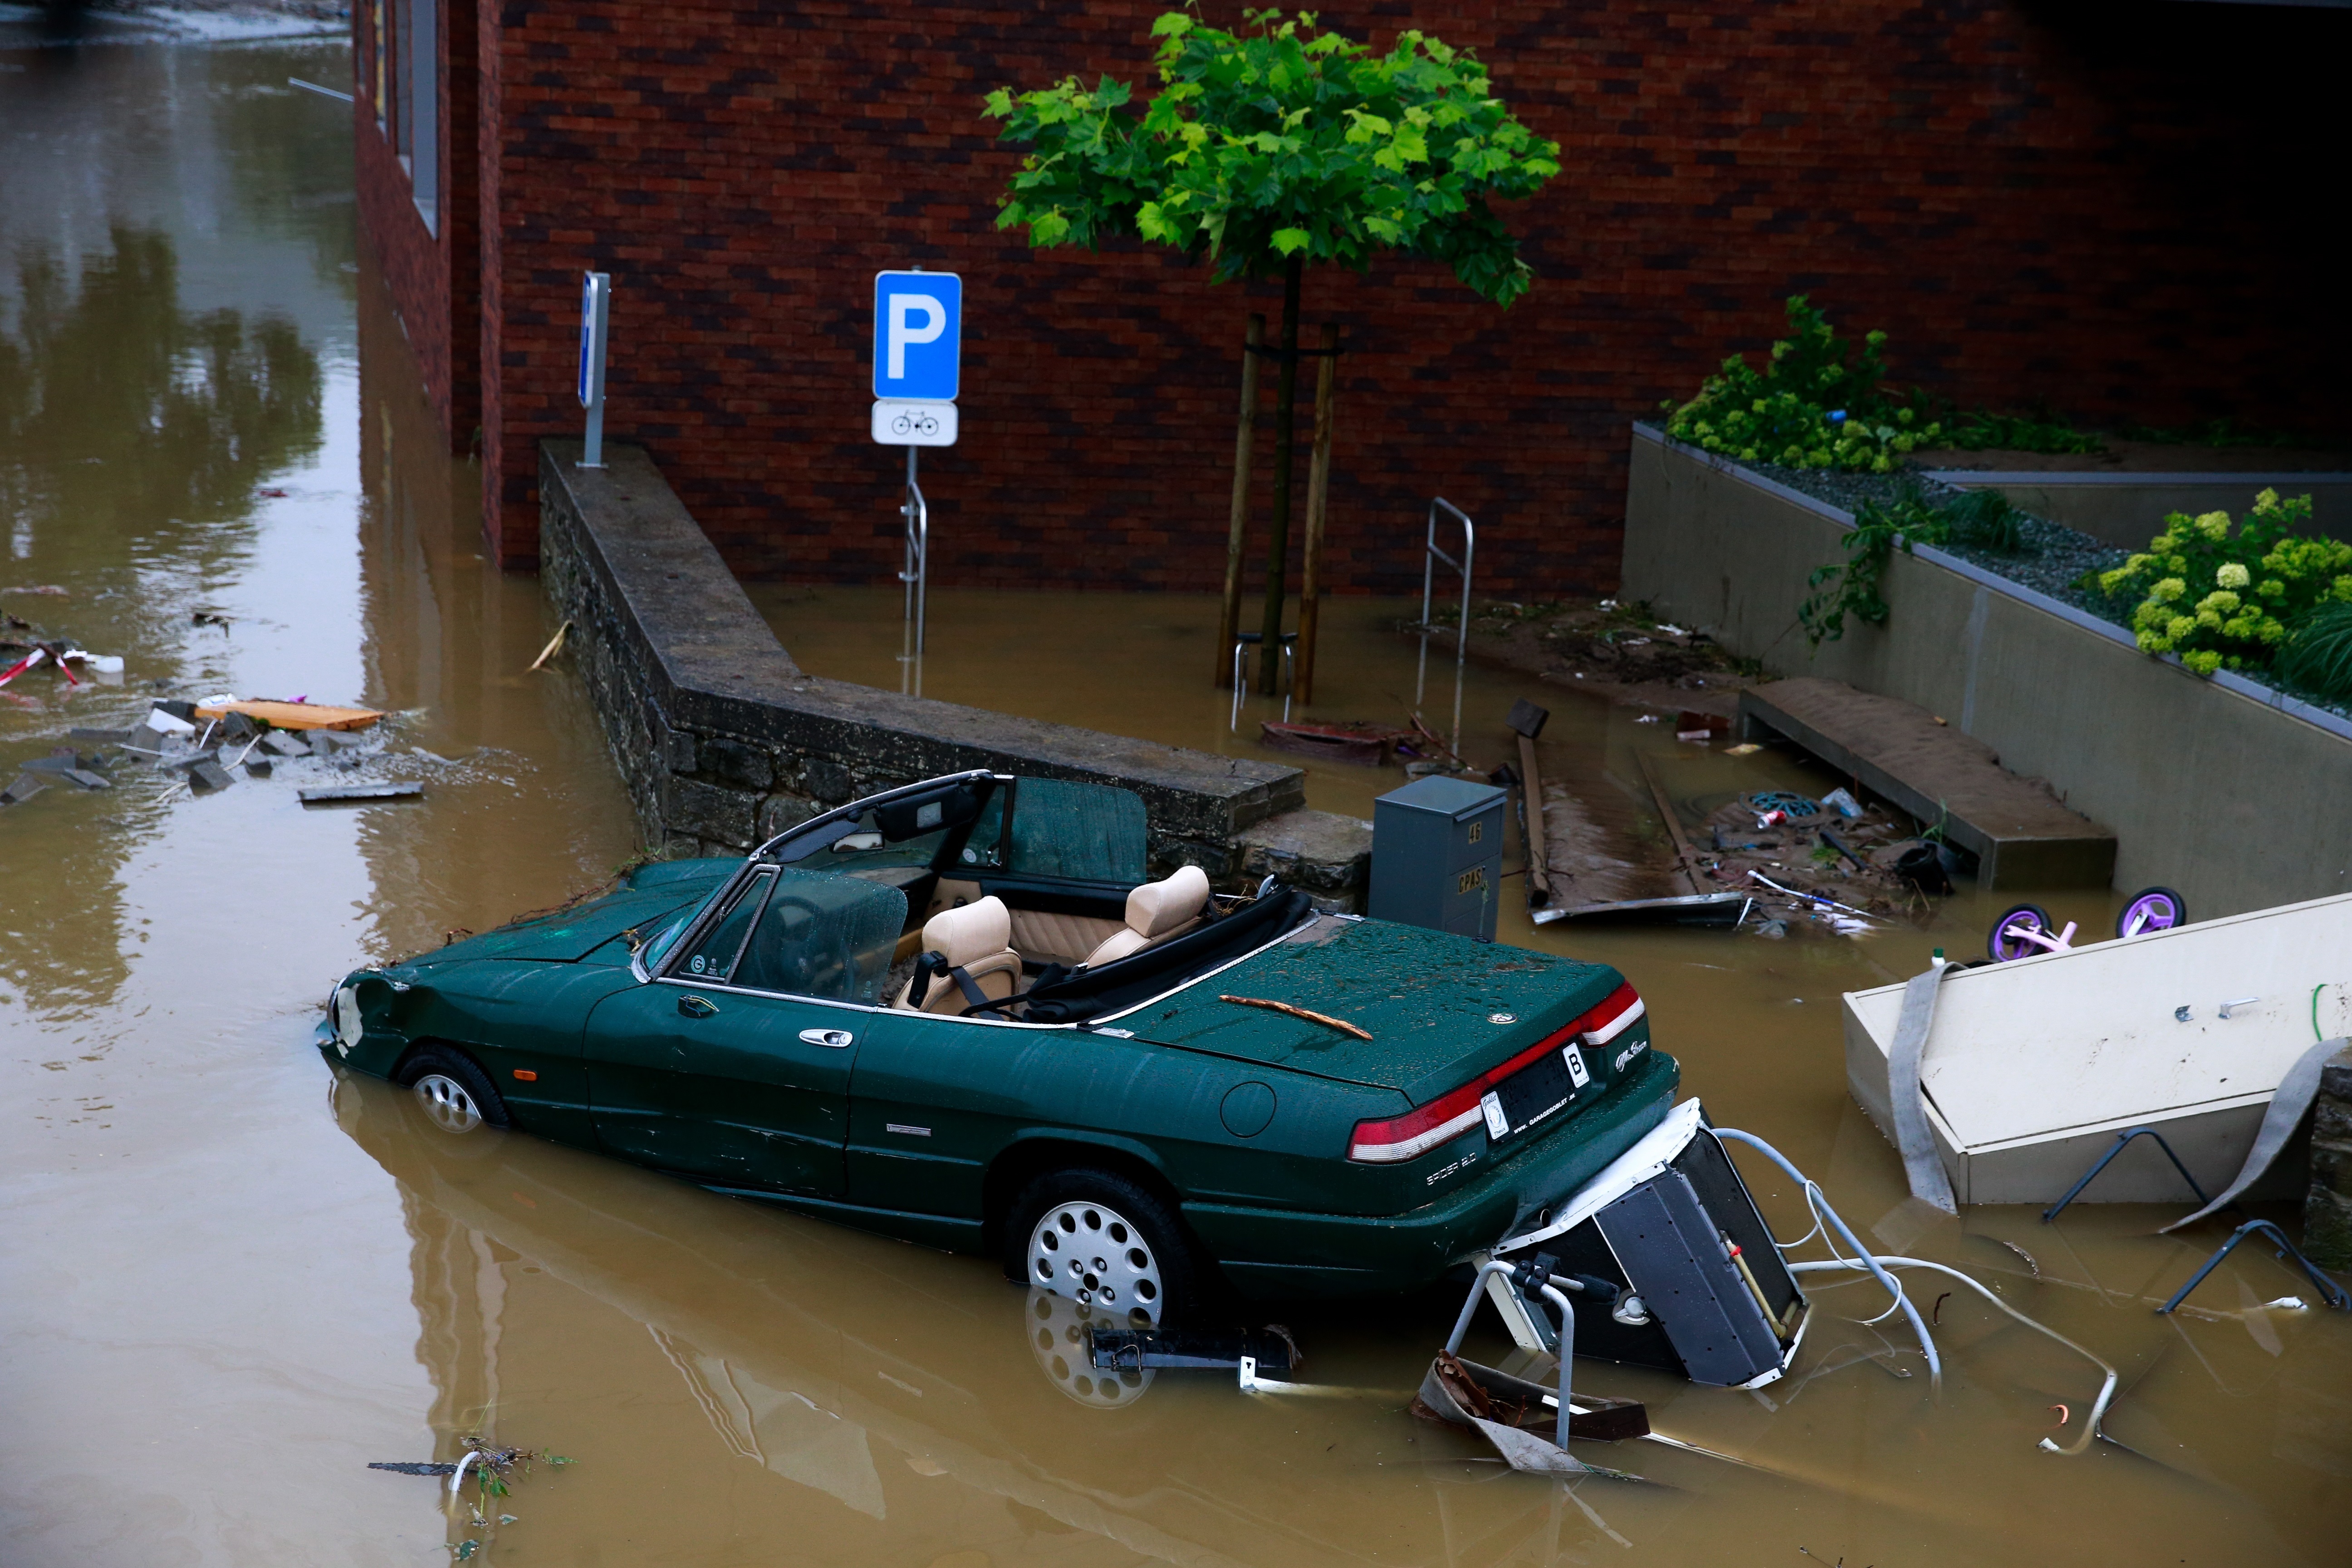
<point>918,349</point>
<point>916,575</point>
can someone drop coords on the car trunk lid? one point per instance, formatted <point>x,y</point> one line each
<point>1440,1010</point>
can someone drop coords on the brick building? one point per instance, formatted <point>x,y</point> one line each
<point>2105,208</point>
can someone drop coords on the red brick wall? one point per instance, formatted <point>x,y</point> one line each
<point>435,281</point>
<point>2114,209</point>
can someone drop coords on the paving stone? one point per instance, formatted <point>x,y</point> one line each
<point>285,744</point>
<point>208,776</point>
<point>25,787</point>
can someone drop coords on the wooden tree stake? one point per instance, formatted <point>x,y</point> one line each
<point>1319,492</point>
<point>1237,530</point>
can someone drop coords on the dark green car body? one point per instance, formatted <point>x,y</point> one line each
<point>923,1125</point>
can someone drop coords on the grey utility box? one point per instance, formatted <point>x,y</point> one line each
<point>1437,855</point>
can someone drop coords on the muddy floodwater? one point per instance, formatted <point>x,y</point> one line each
<point>232,1277</point>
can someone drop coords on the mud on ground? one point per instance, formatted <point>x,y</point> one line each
<point>1616,652</point>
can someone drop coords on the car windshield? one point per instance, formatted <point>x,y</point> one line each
<point>801,932</point>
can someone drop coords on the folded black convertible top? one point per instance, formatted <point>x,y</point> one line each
<point>1085,994</point>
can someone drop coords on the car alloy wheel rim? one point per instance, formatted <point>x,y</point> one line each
<point>1061,1336</point>
<point>1094,1255</point>
<point>446,1102</point>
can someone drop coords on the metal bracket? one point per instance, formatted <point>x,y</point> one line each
<point>2122,1138</point>
<point>2329,1291</point>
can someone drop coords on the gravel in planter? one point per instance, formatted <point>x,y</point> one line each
<point>2055,557</point>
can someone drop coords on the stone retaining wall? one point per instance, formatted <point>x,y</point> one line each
<point>723,740</point>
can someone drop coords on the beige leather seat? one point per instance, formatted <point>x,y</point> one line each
<point>1156,911</point>
<point>976,943</point>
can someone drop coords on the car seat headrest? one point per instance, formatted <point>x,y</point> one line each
<point>1157,908</point>
<point>969,935</point>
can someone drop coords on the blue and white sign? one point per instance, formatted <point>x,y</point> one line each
<point>595,321</point>
<point>918,335</point>
<point>595,305</point>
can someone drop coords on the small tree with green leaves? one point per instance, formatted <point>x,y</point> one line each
<point>1273,150</point>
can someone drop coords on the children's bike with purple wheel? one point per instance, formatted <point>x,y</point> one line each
<point>2025,930</point>
<point>2028,929</point>
<point>2152,909</point>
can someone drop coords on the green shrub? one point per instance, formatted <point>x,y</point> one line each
<point>1985,519</point>
<point>1850,587</point>
<point>2224,599</point>
<point>2318,657</point>
<point>1815,404</point>
<point>1985,431</point>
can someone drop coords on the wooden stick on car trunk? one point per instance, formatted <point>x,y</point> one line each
<point>1323,1018</point>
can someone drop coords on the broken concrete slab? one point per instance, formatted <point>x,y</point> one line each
<point>259,767</point>
<point>25,787</point>
<point>85,779</point>
<point>1321,852</point>
<point>103,737</point>
<point>208,776</point>
<point>2021,833</point>
<point>326,794</point>
<point>285,744</point>
<point>61,760</point>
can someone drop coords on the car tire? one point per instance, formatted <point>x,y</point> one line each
<point>1106,1241</point>
<point>452,1091</point>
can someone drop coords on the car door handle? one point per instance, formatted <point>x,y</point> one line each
<point>839,1039</point>
<point>697,1006</point>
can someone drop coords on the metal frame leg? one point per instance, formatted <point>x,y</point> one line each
<point>2329,1291</point>
<point>1241,649</point>
<point>2122,1139</point>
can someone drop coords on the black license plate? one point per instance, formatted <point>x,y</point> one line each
<point>1534,1092</point>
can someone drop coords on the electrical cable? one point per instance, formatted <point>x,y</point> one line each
<point>2106,1389</point>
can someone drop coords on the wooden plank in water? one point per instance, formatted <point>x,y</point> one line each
<point>2021,835</point>
<point>296,715</point>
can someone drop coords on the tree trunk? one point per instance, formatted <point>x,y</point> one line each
<point>1277,561</point>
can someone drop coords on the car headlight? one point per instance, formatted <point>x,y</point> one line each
<point>347,1018</point>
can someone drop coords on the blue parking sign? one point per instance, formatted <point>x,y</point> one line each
<point>918,335</point>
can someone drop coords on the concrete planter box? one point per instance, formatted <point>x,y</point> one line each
<point>2127,510</point>
<point>2221,788</point>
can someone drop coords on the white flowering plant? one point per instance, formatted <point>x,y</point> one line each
<point>1816,404</point>
<point>2227,598</point>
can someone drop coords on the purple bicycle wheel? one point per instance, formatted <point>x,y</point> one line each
<point>2006,945</point>
<point>2152,909</point>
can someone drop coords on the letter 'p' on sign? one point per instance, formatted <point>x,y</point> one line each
<point>918,335</point>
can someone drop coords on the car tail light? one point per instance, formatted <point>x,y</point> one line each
<point>1397,1139</point>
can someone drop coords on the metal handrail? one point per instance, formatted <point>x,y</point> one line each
<point>916,574</point>
<point>1430,556</point>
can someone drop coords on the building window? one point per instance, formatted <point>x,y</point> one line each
<point>379,53</point>
<point>421,125</point>
<point>407,82</point>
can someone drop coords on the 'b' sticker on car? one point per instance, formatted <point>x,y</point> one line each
<point>1577,1073</point>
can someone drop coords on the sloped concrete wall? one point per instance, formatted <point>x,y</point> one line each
<point>2221,788</point>
<point>723,740</point>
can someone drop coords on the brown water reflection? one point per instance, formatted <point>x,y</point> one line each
<point>232,1279</point>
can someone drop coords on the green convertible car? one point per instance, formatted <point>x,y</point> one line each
<point>959,1013</point>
